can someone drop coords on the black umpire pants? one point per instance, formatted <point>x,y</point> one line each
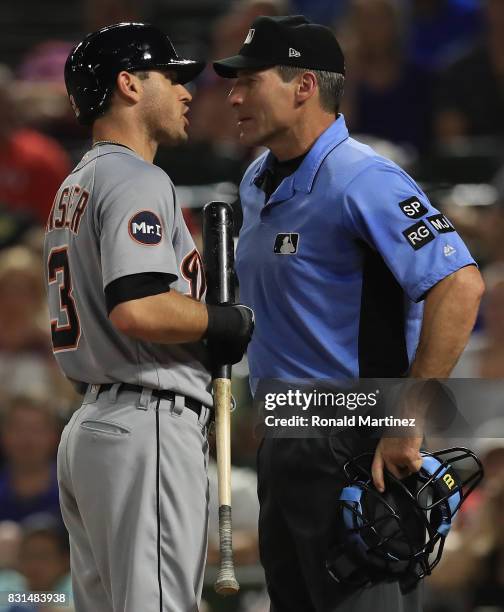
<point>299,481</point>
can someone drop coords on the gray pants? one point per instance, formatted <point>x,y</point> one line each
<point>134,498</point>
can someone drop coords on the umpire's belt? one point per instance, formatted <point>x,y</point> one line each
<point>166,394</point>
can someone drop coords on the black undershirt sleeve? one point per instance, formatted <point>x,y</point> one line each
<point>136,286</point>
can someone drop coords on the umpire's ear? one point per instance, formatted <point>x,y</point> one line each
<point>306,87</point>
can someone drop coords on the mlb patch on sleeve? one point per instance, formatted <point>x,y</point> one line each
<point>413,208</point>
<point>145,227</point>
<point>418,235</point>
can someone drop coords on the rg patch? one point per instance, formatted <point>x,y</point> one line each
<point>441,224</point>
<point>145,227</point>
<point>286,244</point>
<point>418,235</point>
<point>413,208</point>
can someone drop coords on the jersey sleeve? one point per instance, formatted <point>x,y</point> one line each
<point>135,287</point>
<point>135,221</point>
<point>384,207</point>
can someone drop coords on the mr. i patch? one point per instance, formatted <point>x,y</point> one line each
<point>145,227</point>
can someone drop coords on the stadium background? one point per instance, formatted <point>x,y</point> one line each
<point>425,86</point>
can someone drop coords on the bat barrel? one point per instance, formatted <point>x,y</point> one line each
<point>218,252</point>
<point>218,258</point>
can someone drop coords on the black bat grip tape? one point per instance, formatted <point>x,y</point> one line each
<point>226,537</point>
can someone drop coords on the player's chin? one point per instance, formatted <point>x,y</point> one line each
<point>173,138</point>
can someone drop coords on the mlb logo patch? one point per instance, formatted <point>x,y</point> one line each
<point>145,227</point>
<point>286,244</point>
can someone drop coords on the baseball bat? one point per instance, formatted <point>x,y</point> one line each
<point>218,257</point>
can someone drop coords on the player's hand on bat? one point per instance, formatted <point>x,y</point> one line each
<point>400,456</point>
<point>230,329</point>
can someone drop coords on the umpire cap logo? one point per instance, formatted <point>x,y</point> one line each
<point>145,227</point>
<point>286,244</point>
<point>250,36</point>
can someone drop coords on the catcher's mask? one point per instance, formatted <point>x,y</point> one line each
<point>399,535</point>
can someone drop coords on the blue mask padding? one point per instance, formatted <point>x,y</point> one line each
<point>353,494</point>
<point>431,465</point>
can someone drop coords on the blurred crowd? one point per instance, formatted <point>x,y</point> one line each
<point>425,86</point>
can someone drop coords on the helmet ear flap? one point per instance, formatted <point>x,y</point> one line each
<point>87,95</point>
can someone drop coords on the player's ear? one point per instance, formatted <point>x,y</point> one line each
<point>128,86</point>
<point>306,87</point>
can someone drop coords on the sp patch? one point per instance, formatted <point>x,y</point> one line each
<point>418,235</point>
<point>413,208</point>
<point>145,228</point>
<point>441,224</point>
<point>286,244</point>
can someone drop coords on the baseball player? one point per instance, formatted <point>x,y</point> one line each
<point>351,273</point>
<point>125,289</point>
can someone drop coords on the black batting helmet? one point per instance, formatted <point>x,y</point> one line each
<point>92,66</point>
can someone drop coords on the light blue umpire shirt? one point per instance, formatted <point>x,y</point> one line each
<point>336,263</point>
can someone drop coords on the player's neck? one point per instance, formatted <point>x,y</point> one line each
<point>135,139</point>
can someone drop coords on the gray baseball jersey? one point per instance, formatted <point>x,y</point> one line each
<point>131,465</point>
<point>117,215</point>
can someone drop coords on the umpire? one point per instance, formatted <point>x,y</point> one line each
<point>351,273</point>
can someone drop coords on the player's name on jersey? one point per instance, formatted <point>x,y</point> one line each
<point>67,209</point>
<point>345,421</point>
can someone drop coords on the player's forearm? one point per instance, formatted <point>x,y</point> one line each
<point>450,311</point>
<point>166,318</point>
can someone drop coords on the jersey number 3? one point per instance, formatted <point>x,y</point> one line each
<point>64,337</point>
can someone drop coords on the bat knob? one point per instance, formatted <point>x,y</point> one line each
<point>226,585</point>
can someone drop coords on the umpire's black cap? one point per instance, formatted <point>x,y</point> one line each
<point>285,41</point>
